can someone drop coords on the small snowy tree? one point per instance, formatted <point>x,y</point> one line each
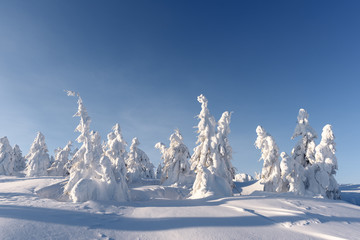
<point>243,177</point>
<point>91,175</point>
<point>326,165</point>
<point>61,159</point>
<point>7,160</point>
<point>20,163</point>
<point>270,174</point>
<point>176,167</point>
<point>38,160</point>
<point>292,175</point>
<point>138,164</point>
<point>212,176</point>
<point>116,149</point>
<point>159,171</point>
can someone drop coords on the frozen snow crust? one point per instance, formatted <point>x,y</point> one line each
<point>36,206</point>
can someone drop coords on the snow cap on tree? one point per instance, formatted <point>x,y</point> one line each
<point>303,127</point>
<point>38,157</point>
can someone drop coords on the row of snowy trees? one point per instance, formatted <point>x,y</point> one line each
<point>102,171</point>
<point>309,170</point>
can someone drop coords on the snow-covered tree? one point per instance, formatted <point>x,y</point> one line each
<point>223,130</point>
<point>7,160</point>
<point>91,175</point>
<point>20,162</point>
<point>176,167</point>
<point>304,150</point>
<point>159,171</point>
<point>138,164</point>
<point>116,149</point>
<point>292,175</point>
<point>116,152</point>
<point>211,170</point>
<point>243,177</point>
<point>38,160</point>
<point>61,159</point>
<point>270,174</point>
<point>326,165</point>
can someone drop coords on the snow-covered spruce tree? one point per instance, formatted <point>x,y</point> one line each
<point>159,171</point>
<point>38,160</point>
<point>7,160</point>
<point>304,150</point>
<point>176,167</point>
<point>116,152</point>
<point>326,165</point>
<point>211,170</point>
<point>91,175</point>
<point>270,174</point>
<point>116,148</point>
<point>61,159</point>
<point>138,164</point>
<point>20,163</point>
<point>292,175</point>
<point>223,130</point>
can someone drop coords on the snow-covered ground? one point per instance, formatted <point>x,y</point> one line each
<point>33,208</point>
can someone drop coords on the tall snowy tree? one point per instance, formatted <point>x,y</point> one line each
<point>176,167</point>
<point>38,160</point>
<point>138,164</point>
<point>91,175</point>
<point>223,130</point>
<point>20,162</point>
<point>7,160</point>
<point>292,175</point>
<point>304,150</point>
<point>61,159</point>
<point>211,170</point>
<point>270,174</point>
<point>326,165</point>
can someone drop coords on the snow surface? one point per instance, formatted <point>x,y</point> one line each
<point>34,208</point>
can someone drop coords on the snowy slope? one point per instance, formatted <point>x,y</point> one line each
<point>28,212</point>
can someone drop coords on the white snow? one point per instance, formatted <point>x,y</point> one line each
<point>39,211</point>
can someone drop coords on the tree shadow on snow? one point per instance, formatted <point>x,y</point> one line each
<point>117,222</point>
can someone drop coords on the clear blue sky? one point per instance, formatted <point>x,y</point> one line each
<point>143,63</point>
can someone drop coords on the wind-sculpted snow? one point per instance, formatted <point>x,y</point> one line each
<point>155,213</point>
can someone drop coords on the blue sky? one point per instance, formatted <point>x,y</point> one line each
<point>143,63</point>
